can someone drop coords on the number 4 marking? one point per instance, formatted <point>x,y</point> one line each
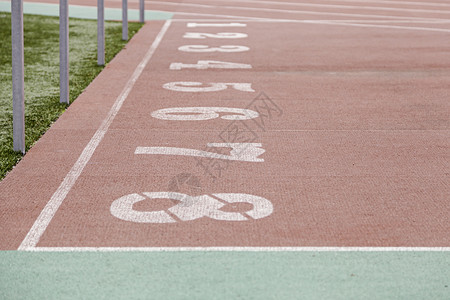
<point>239,151</point>
<point>192,86</point>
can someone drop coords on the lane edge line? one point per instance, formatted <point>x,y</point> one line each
<point>236,249</point>
<point>40,225</point>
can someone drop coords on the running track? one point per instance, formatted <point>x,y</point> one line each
<point>337,115</point>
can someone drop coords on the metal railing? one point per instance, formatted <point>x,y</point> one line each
<point>18,57</point>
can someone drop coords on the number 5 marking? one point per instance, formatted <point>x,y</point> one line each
<point>195,87</point>
<point>204,48</point>
<point>209,64</point>
<point>239,151</point>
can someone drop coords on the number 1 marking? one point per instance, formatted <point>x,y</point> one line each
<point>195,25</point>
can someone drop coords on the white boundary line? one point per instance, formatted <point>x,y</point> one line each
<point>242,249</point>
<point>44,219</point>
<point>438,4</point>
<point>318,21</point>
<point>309,12</point>
<point>384,26</point>
<point>390,2</point>
<point>304,4</point>
<point>214,15</point>
<point>322,22</point>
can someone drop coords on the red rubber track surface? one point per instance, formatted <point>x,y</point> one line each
<point>356,141</point>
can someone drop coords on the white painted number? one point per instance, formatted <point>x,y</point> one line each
<point>203,113</point>
<point>239,151</point>
<point>210,64</point>
<point>195,25</point>
<point>191,86</point>
<point>205,48</point>
<point>199,207</point>
<point>220,35</point>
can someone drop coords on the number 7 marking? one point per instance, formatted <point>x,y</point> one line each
<point>240,151</point>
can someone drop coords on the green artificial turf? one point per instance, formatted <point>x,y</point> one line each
<point>41,41</point>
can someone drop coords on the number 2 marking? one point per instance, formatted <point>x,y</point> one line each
<point>220,35</point>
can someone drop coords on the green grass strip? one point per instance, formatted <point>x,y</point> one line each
<point>42,107</point>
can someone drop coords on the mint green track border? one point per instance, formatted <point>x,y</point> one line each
<point>224,275</point>
<point>85,12</point>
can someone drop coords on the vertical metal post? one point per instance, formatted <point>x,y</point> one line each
<point>18,76</point>
<point>100,32</point>
<point>124,20</point>
<point>63,51</point>
<point>141,11</point>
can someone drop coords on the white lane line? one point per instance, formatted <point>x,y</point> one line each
<point>302,4</point>
<point>437,4</point>
<point>44,219</point>
<point>242,249</point>
<point>339,6</point>
<point>326,22</point>
<point>181,4</point>
<point>318,20</point>
<point>308,12</point>
<point>302,12</point>
<point>292,12</point>
<point>442,21</point>
<point>384,26</point>
<point>350,1</point>
<point>170,3</point>
<point>213,15</point>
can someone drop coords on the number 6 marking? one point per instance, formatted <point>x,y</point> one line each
<point>195,87</point>
<point>203,113</point>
